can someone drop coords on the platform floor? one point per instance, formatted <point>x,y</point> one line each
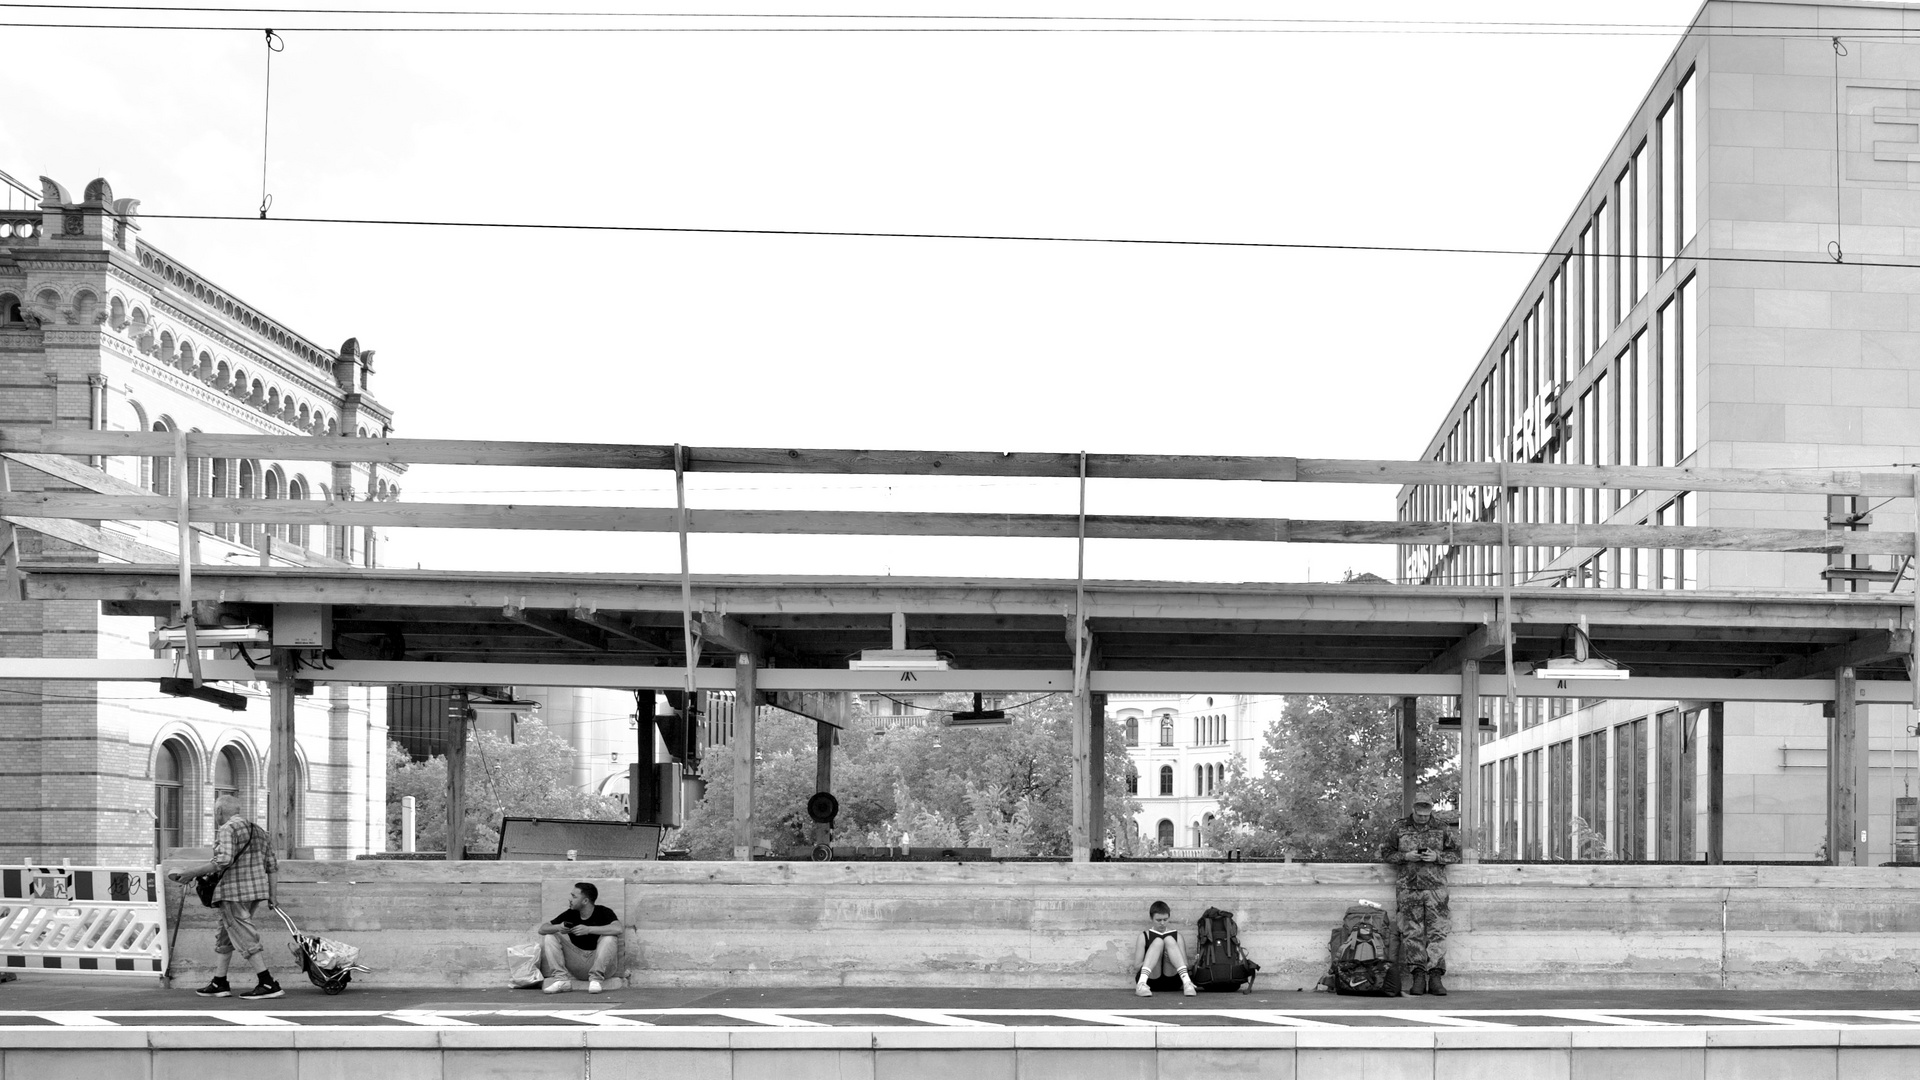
<point>57,1001</point>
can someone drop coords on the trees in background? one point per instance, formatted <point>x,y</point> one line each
<point>531,776</point>
<point>911,779</point>
<point>1331,780</point>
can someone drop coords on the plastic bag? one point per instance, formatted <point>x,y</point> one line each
<point>332,955</point>
<point>523,964</point>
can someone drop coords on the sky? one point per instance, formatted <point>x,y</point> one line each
<point>1366,131</point>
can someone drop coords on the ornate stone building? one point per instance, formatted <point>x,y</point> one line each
<point>100,329</point>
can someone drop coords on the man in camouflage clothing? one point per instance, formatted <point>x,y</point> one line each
<point>1422,847</point>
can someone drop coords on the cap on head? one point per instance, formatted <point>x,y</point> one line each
<point>1422,801</point>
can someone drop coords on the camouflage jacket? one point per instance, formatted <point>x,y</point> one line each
<point>1408,836</point>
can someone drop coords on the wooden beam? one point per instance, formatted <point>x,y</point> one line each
<point>591,637</point>
<point>1484,641</point>
<point>923,463</point>
<point>322,513</point>
<point>1429,607</point>
<point>1869,648</point>
<point>730,634</point>
<point>1037,681</point>
<point>819,706</point>
<point>94,539</point>
<point>651,639</point>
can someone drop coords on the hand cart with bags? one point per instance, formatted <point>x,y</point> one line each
<point>328,963</point>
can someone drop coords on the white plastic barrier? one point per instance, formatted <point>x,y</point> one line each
<point>83,920</point>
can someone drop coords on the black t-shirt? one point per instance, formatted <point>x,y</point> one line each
<point>599,917</point>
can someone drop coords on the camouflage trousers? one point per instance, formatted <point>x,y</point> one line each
<point>1423,924</point>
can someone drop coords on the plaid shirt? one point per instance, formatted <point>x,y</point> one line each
<point>245,872</point>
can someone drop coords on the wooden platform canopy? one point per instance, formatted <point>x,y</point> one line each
<point>1086,637</point>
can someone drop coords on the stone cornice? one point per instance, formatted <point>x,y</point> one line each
<point>329,391</point>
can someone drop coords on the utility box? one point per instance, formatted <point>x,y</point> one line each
<point>302,626</point>
<point>1906,831</point>
<point>673,804</point>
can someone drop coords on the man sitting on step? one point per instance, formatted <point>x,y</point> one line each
<point>581,943</point>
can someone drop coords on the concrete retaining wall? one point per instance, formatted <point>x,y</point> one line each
<point>1064,925</point>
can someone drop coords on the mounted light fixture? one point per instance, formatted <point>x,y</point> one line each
<point>1567,668</point>
<point>898,660</point>
<point>1581,665</point>
<point>175,637</point>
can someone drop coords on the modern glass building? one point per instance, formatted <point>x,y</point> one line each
<point>1733,289</point>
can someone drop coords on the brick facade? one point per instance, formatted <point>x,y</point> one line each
<point>99,329</point>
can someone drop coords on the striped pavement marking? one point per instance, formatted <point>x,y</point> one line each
<point>750,1018</point>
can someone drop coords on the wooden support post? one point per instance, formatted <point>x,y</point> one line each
<point>1844,805</point>
<point>1097,777</point>
<point>1410,752</point>
<point>457,778</point>
<point>1082,727</point>
<point>1470,761</point>
<point>1717,783</point>
<point>746,694</point>
<point>283,796</point>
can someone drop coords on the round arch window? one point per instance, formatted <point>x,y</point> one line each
<point>169,770</point>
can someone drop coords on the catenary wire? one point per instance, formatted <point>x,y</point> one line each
<point>1292,24</point>
<point>1334,27</point>
<point>1017,237</point>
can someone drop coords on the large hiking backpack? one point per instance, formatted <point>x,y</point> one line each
<point>1364,954</point>
<point>1218,962</point>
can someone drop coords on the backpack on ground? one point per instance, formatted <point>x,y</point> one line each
<point>1218,961</point>
<point>1364,953</point>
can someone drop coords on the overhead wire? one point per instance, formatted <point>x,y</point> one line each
<point>1033,238</point>
<point>916,23</point>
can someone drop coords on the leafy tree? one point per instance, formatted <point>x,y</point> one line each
<point>529,777</point>
<point>1332,780</point>
<point>1008,788</point>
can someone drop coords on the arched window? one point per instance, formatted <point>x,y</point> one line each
<point>169,767</point>
<point>1166,779</point>
<point>1199,780</point>
<point>297,489</point>
<point>1164,832</point>
<point>1166,730</point>
<point>161,472</point>
<point>223,470</point>
<point>1133,781</point>
<point>275,489</point>
<point>230,774</point>
<point>1133,731</point>
<point>249,489</point>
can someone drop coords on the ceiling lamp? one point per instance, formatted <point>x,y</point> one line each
<point>1581,665</point>
<point>898,660</point>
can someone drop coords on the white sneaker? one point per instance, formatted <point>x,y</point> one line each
<point>594,987</point>
<point>1140,989</point>
<point>1188,989</point>
<point>557,986</point>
